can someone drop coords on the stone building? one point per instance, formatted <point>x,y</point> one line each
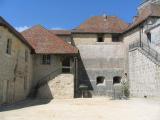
<point>15,65</point>
<point>97,54</point>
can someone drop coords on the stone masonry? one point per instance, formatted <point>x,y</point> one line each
<point>61,87</point>
<point>144,75</point>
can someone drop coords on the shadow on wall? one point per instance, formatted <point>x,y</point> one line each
<point>30,101</point>
<point>83,79</point>
<point>24,104</point>
<point>44,92</point>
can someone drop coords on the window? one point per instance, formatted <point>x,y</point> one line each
<point>149,36</point>
<point>100,80</point>
<point>116,79</point>
<point>26,55</point>
<point>100,38</point>
<point>9,45</point>
<point>66,65</point>
<point>46,59</point>
<point>115,39</point>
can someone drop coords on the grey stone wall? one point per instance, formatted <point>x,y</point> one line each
<point>102,59</point>
<point>144,75</point>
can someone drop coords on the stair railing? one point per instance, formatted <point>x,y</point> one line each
<point>150,51</point>
<point>51,76</point>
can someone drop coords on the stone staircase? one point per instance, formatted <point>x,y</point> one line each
<point>147,50</point>
<point>144,70</point>
<point>61,87</point>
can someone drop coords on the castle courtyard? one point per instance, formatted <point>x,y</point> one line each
<point>84,109</point>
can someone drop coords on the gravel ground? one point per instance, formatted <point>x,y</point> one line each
<point>84,109</point>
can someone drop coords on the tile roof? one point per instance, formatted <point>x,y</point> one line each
<point>45,42</point>
<point>61,32</point>
<point>14,31</point>
<point>102,24</point>
<point>152,10</point>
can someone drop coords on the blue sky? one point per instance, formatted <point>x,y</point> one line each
<point>63,14</point>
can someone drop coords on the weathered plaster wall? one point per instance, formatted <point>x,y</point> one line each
<point>40,70</point>
<point>15,72</point>
<point>89,39</point>
<point>144,75</point>
<point>103,59</point>
<point>154,30</point>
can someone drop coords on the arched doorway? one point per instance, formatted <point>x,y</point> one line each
<point>100,80</point>
<point>117,79</point>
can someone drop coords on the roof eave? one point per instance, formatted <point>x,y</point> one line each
<point>15,32</point>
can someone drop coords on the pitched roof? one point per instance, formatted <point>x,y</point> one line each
<point>102,24</point>
<point>61,32</point>
<point>45,42</point>
<point>152,10</point>
<point>14,31</point>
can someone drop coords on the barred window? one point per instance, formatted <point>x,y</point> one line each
<point>46,59</point>
<point>9,45</point>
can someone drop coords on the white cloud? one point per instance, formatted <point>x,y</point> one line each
<point>20,29</point>
<point>57,28</point>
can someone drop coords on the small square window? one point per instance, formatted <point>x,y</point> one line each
<point>46,59</point>
<point>115,39</point>
<point>100,80</point>
<point>100,38</point>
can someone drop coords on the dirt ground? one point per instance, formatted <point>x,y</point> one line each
<point>83,109</point>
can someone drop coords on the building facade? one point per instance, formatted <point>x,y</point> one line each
<point>101,52</point>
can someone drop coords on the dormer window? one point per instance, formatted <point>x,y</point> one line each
<point>100,38</point>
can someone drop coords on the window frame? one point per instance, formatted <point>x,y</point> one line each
<point>46,59</point>
<point>115,38</point>
<point>9,46</point>
<point>100,36</point>
<point>100,80</point>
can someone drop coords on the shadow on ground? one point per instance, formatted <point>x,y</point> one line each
<point>24,104</point>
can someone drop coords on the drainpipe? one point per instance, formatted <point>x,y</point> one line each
<point>75,75</point>
<point>141,28</point>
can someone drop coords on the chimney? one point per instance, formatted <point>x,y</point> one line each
<point>105,17</point>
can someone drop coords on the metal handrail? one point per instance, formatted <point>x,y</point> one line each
<point>150,51</point>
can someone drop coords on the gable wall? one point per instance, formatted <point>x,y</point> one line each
<point>15,73</point>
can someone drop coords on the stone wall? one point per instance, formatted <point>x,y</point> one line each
<point>89,39</point>
<point>40,70</point>
<point>100,60</point>
<point>144,75</point>
<point>61,87</point>
<point>15,72</point>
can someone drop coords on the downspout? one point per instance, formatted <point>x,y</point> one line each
<point>140,34</point>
